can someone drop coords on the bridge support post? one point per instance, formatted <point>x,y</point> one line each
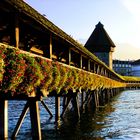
<point>100,93</point>
<point>106,96</point>
<point>103,97</point>
<point>87,99</point>
<point>110,93</point>
<point>96,96</point>
<point>3,119</point>
<point>93,100</point>
<point>35,119</point>
<point>66,103</point>
<point>114,90</point>
<point>75,105</point>
<point>82,101</point>
<point>47,109</point>
<point>57,108</point>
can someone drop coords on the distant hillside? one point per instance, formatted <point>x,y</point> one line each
<point>126,51</point>
<point>122,51</point>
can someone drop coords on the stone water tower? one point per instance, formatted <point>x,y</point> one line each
<point>100,44</point>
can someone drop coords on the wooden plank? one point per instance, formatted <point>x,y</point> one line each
<point>69,61</point>
<point>20,121</point>
<point>3,119</point>
<point>82,100</point>
<point>75,105</point>
<point>50,47</point>
<point>81,65</point>
<point>35,119</point>
<point>47,109</point>
<point>88,64</point>
<point>17,30</point>
<point>36,50</point>
<point>66,105</point>
<point>57,108</point>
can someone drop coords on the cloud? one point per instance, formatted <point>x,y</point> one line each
<point>133,6</point>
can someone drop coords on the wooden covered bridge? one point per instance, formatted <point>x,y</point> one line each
<point>38,59</point>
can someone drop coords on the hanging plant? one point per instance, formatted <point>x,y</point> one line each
<point>14,70</point>
<point>21,73</point>
<point>2,65</point>
<point>32,76</point>
<point>75,75</point>
<point>69,82</point>
<point>63,76</point>
<point>83,81</point>
<point>46,68</point>
<point>91,81</point>
<point>55,76</point>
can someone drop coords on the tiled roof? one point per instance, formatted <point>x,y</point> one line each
<point>99,40</point>
<point>23,7</point>
<point>137,62</point>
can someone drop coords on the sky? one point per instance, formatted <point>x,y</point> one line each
<point>78,18</point>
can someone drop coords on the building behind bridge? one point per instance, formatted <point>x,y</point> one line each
<point>127,67</point>
<point>136,68</point>
<point>123,67</point>
<point>100,44</point>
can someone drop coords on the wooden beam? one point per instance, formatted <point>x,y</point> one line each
<point>82,101</point>
<point>88,64</point>
<point>36,50</point>
<point>35,119</point>
<point>57,108</point>
<point>17,30</point>
<point>95,68</point>
<point>75,105</point>
<point>47,109</point>
<point>98,69</point>
<point>50,47</point>
<point>66,105</point>
<point>3,119</point>
<point>81,65</point>
<point>20,121</point>
<point>69,61</point>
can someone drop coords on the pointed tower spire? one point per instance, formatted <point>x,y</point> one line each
<point>101,44</point>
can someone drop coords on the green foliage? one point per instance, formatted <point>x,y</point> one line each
<point>32,76</point>
<point>2,65</point>
<point>14,70</point>
<point>22,73</point>
<point>63,76</point>
<point>55,76</point>
<point>46,70</point>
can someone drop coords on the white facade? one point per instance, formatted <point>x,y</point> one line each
<point>136,70</point>
<point>122,67</point>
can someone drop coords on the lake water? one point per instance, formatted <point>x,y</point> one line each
<point>119,120</point>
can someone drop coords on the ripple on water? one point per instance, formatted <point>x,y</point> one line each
<point>119,120</point>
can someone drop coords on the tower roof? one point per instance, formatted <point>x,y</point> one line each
<point>99,41</point>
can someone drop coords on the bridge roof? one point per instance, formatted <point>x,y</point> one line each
<point>99,40</point>
<point>23,7</point>
<point>131,78</point>
<point>136,63</point>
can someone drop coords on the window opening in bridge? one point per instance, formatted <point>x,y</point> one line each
<point>75,59</point>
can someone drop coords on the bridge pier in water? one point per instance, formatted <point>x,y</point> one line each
<point>3,119</point>
<point>32,105</point>
<point>79,103</point>
<point>90,99</point>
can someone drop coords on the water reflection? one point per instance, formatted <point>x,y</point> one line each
<point>119,120</point>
